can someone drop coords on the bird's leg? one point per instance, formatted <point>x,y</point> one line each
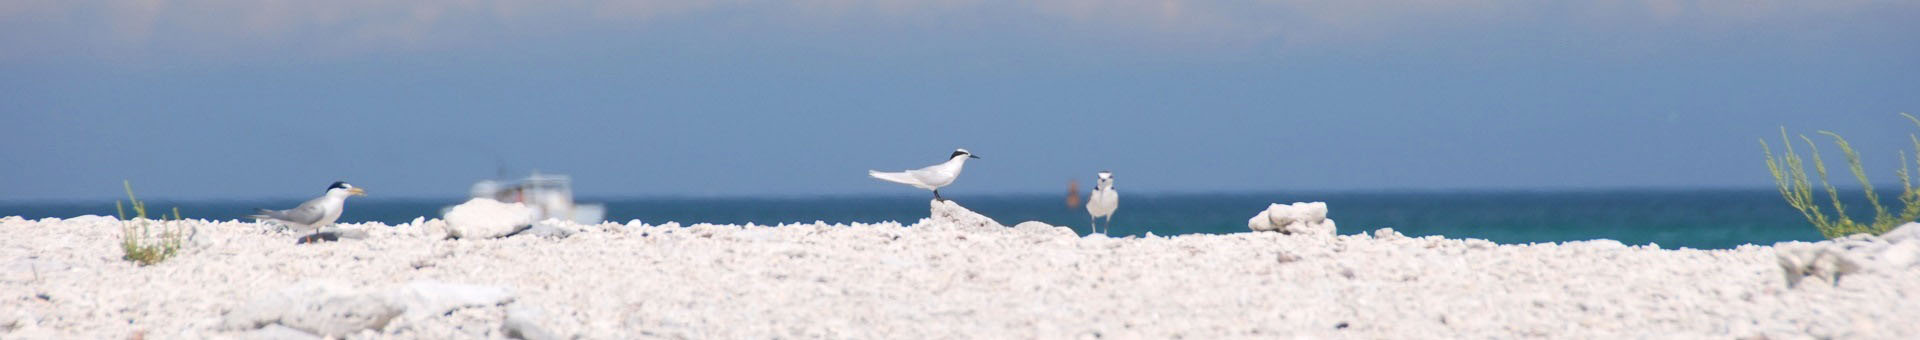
<point>936,196</point>
<point>1109,223</point>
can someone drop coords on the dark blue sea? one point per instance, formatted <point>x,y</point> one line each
<point>1706,219</point>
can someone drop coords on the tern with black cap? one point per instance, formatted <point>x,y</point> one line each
<point>931,177</point>
<point>315,213</point>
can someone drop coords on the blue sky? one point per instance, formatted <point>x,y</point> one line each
<point>275,99</point>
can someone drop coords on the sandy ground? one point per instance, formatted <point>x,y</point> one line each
<point>65,279</point>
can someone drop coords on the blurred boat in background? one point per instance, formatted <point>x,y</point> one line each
<point>550,196</point>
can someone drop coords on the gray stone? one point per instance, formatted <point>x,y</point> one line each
<point>18,320</point>
<point>523,322</point>
<point>547,229</point>
<point>1814,260</point>
<point>330,234</point>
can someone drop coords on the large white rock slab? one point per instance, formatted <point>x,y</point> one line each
<point>315,306</point>
<point>328,308</point>
<point>427,298</point>
<point>487,218</point>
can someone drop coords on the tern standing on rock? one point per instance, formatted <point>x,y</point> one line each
<point>932,177</point>
<point>315,213</point>
<point>1103,201</point>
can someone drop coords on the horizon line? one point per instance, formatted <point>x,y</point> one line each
<point>1375,191</point>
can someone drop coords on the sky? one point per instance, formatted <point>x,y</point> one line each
<point>218,100</point>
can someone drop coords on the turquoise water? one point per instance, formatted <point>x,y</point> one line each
<point>1708,219</point>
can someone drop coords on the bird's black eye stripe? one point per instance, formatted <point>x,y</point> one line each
<point>337,185</point>
<point>957,154</point>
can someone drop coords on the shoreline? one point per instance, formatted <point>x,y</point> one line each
<point>947,276</point>
<point>1704,222</point>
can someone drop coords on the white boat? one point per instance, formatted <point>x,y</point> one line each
<point>550,196</point>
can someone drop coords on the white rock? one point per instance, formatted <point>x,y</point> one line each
<point>1899,256</point>
<point>1903,233</point>
<point>947,214</point>
<point>327,308</point>
<point>426,298</point>
<point>1032,225</point>
<point>487,218</point>
<point>1260,222</point>
<point>1309,212</point>
<point>1304,218</point>
<point>1327,228</point>
<point>93,219</point>
<point>1043,229</point>
<point>1606,244</point>
<point>315,306</point>
<point>1388,234</point>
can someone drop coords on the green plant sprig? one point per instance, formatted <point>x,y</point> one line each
<point>135,233</point>
<point>1790,177</point>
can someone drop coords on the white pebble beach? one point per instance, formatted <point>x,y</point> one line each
<point>937,278</point>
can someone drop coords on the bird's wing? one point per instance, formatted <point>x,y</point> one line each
<point>896,177</point>
<point>929,175</point>
<point>306,213</point>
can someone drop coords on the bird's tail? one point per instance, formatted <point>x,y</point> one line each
<point>261,214</point>
<point>896,177</point>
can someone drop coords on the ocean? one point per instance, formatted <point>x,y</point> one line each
<point>1703,219</point>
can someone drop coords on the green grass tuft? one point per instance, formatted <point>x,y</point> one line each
<point>138,240</point>
<point>1790,175</point>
